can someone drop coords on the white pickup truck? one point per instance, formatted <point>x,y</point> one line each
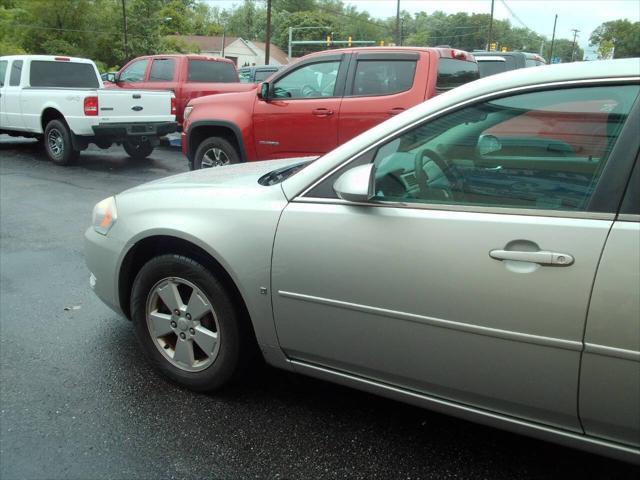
<point>62,101</point>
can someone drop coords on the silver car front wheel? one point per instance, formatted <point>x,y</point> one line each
<point>188,323</point>
<point>183,325</point>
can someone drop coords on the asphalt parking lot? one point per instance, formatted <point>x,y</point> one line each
<point>77,401</point>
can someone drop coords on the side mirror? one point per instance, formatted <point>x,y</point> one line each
<point>112,77</point>
<point>356,184</point>
<point>264,91</point>
<point>488,144</point>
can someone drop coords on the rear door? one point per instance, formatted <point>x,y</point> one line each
<point>302,117</point>
<point>610,372</point>
<point>379,86</point>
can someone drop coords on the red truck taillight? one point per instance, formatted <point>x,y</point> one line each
<point>91,106</point>
<point>174,109</point>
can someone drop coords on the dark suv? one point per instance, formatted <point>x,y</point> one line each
<point>256,74</point>
<point>490,63</point>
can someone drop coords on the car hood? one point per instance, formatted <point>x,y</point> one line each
<point>243,175</point>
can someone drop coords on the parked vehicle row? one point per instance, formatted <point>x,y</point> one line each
<point>318,103</point>
<point>461,256</point>
<point>491,63</point>
<point>61,100</point>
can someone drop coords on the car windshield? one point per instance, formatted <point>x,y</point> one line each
<point>281,174</point>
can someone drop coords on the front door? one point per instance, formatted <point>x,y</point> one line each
<point>302,117</point>
<point>468,275</point>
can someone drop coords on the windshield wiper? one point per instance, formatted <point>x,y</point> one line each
<point>280,174</point>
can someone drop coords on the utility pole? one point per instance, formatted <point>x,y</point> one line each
<point>553,38</point>
<point>573,47</point>
<point>268,42</point>
<point>124,28</point>
<point>398,32</point>
<point>290,40</point>
<point>490,27</point>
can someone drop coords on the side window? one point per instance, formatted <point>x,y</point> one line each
<point>134,72</point>
<point>452,73</point>
<point>542,150</point>
<point>16,73</point>
<point>310,81</point>
<point>383,77</point>
<point>245,76</point>
<point>631,202</point>
<point>3,71</point>
<point>162,70</point>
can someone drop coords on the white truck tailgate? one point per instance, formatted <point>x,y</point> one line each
<point>127,106</point>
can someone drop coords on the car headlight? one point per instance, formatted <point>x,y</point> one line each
<point>104,215</point>
<point>187,112</point>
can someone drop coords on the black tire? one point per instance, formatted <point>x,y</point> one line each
<point>138,151</point>
<point>57,143</point>
<point>234,340</point>
<point>215,145</point>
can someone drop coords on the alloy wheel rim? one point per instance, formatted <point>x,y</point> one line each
<point>55,142</point>
<point>215,157</point>
<point>187,334</point>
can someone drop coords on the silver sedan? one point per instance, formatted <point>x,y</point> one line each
<point>477,255</point>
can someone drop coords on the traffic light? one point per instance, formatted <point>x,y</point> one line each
<point>492,47</point>
<point>503,49</point>
<point>382,43</point>
<point>328,40</point>
<point>350,40</point>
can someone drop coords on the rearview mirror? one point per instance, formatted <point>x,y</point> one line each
<point>264,91</point>
<point>356,184</point>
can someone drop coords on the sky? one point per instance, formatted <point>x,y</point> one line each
<point>538,15</point>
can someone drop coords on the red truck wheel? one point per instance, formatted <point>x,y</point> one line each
<point>215,152</point>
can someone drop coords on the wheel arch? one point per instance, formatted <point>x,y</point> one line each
<point>51,113</point>
<point>199,131</point>
<point>161,244</point>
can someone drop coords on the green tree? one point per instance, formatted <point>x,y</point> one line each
<point>563,48</point>
<point>623,34</point>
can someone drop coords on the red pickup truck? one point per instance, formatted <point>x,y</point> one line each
<point>188,76</point>
<point>318,103</point>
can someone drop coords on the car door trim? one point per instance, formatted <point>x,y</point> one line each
<point>564,344</point>
<point>467,208</point>
<point>467,412</point>
<point>470,101</point>
<point>603,350</point>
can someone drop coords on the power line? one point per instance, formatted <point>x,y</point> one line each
<point>512,13</point>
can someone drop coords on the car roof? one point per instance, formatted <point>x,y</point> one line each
<point>49,58</point>
<point>441,51</point>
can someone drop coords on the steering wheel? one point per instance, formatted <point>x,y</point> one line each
<point>454,190</point>
<point>309,91</point>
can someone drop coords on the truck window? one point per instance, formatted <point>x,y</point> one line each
<point>134,72</point>
<point>211,71</point>
<point>62,74</point>
<point>452,73</point>
<point>263,75</point>
<point>16,72</point>
<point>491,67</point>
<point>162,70</point>
<point>383,77</point>
<point>3,71</point>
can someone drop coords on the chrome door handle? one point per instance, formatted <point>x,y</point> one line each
<point>540,257</point>
<point>395,111</point>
